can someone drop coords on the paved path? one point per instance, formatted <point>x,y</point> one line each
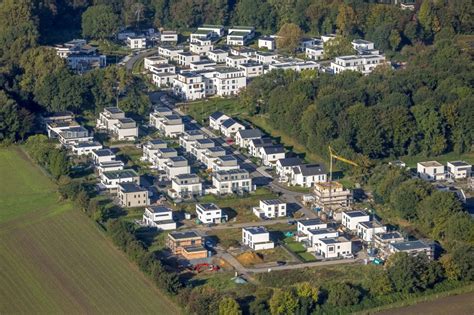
<point>246,271</point>
<point>235,225</point>
<point>131,61</point>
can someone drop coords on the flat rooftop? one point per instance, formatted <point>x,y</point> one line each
<point>272,202</point>
<point>410,245</point>
<point>131,188</point>
<point>430,164</point>
<point>208,206</point>
<point>184,235</point>
<point>309,222</point>
<point>355,214</point>
<point>256,230</point>
<point>158,209</point>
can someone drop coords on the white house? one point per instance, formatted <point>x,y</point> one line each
<point>159,217</point>
<point>265,57</point>
<point>284,167</point>
<point>109,166</point>
<point>361,63</point>
<point>234,61</point>
<point>255,145</point>
<point>224,81</point>
<point>81,62</point>
<point>200,34</point>
<point>85,148</point>
<point>217,30</point>
<point>271,154</point>
<point>431,170</point>
<point>314,235</point>
<point>168,123</point>
<point>363,46</point>
<point>185,58</point>
<point>153,61</point>
<point>170,52</point>
<point>240,35</point>
<point>211,154</point>
<point>333,247</point>
<point>350,219</point>
<point>210,213</point>
<point>314,52</point>
<point>224,163</point>
<point>200,146</point>
<point>295,65</point>
<point>367,230</point>
<point>307,175</point>
<point>189,86</point>
<point>202,65</point>
<point>216,119</point>
<point>267,42</point>
<point>243,137</point>
<point>109,117</point>
<point>164,79</point>
<point>74,135</point>
<point>412,248</point>
<point>270,208</point>
<point>169,37</point>
<point>243,51</point>
<point>111,179</point>
<point>188,137</point>
<point>200,47</point>
<point>161,157</point>
<point>125,129</point>
<point>257,238</point>
<point>251,69</point>
<point>162,68</point>
<point>103,155</point>
<point>230,127</point>
<point>185,185</point>
<point>217,55</point>
<point>175,166</point>
<point>151,148</point>
<point>304,226</point>
<point>138,42</point>
<point>232,181</point>
<point>459,169</point>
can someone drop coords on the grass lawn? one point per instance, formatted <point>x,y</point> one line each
<point>412,160</point>
<point>201,110</point>
<point>55,260</point>
<point>298,249</point>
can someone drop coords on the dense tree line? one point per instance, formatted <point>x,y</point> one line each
<point>46,154</point>
<point>438,215</point>
<point>425,108</point>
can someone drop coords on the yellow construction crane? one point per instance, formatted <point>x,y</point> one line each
<point>333,155</point>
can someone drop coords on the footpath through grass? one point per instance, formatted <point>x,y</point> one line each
<point>54,260</point>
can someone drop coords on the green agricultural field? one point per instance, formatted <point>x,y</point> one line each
<point>54,260</point>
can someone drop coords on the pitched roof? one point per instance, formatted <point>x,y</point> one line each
<point>309,169</point>
<point>229,123</point>
<point>274,149</point>
<point>292,161</point>
<point>216,115</point>
<point>250,133</point>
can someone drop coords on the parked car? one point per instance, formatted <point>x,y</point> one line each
<point>348,256</point>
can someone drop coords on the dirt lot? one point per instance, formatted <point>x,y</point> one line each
<point>456,304</point>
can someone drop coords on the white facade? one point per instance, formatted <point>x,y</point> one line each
<point>267,43</point>
<point>244,136</point>
<point>153,60</point>
<point>233,181</point>
<point>217,30</point>
<point>295,66</point>
<point>224,163</point>
<point>125,129</point>
<point>85,148</point>
<point>224,81</point>
<point>314,52</point>
<point>251,70</point>
<point>176,166</point>
<point>307,175</point>
<point>163,79</point>
<point>136,42</point>
<point>217,55</point>
<point>111,179</point>
<point>200,47</point>
<point>210,213</point>
<point>230,127</point>
<point>367,230</point>
<point>304,226</point>
<point>234,61</point>
<point>170,52</point>
<point>265,58</point>
<point>272,208</point>
<point>150,149</point>
<point>333,247</point>
<point>216,119</point>
<point>186,58</point>
<point>459,169</point>
<point>189,86</point>
<point>364,64</point>
<point>170,37</point>
<point>240,35</point>
<point>109,117</point>
<point>271,154</point>
<point>103,155</point>
<point>431,170</point>
<point>73,136</point>
<point>159,217</point>
<point>257,238</point>
<point>185,185</point>
<point>350,219</point>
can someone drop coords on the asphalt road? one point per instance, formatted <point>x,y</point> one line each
<point>130,62</point>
